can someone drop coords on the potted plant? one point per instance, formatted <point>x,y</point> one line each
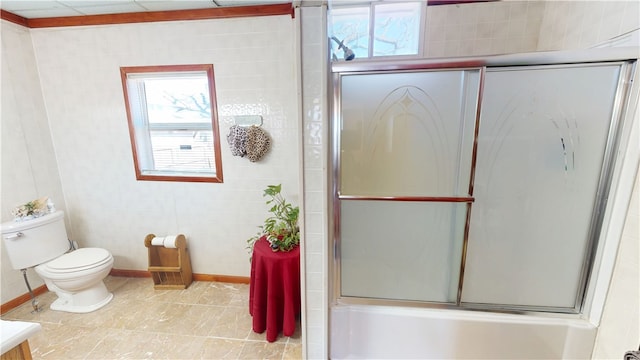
<point>281,228</point>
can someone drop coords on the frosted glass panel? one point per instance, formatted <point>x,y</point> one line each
<point>540,149</point>
<point>407,134</point>
<point>401,250</point>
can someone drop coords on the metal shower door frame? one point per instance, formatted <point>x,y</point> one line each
<point>626,59</point>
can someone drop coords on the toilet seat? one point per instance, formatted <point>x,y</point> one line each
<point>78,260</point>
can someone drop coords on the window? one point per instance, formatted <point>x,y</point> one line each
<point>173,122</point>
<point>379,28</point>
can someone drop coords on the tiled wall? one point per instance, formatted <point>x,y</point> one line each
<point>255,73</point>
<point>315,145</point>
<point>583,24</point>
<point>517,26</point>
<point>500,27</point>
<point>29,169</point>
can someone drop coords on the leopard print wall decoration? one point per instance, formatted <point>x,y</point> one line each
<point>237,140</point>
<point>252,142</point>
<point>258,143</point>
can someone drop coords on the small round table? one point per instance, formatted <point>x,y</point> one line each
<point>274,290</point>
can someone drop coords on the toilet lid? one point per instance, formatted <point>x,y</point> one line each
<point>80,259</point>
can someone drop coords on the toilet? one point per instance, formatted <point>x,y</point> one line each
<point>75,276</point>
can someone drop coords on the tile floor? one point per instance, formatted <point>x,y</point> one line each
<point>208,320</point>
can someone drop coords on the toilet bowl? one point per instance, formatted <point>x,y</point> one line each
<point>75,276</point>
<point>77,279</point>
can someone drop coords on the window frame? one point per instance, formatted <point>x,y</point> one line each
<point>371,9</point>
<point>139,149</point>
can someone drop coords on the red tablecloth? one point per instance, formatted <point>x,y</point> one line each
<point>274,291</point>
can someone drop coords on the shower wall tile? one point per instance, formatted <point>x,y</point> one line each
<point>315,201</point>
<point>315,280</point>
<point>583,24</point>
<point>313,348</point>
<point>314,220</point>
<point>525,26</point>
<point>314,129</point>
<point>314,243</point>
<point>629,16</point>
<point>314,155</point>
<point>315,148</point>
<point>482,28</point>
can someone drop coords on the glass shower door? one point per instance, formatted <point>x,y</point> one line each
<point>405,148</point>
<point>541,148</point>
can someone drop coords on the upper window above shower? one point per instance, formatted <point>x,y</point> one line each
<point>376,29</point>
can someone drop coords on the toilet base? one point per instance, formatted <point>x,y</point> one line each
<point>84,301</point>
<point>63,305</point>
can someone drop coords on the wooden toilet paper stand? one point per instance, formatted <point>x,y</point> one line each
<point>170,267</point>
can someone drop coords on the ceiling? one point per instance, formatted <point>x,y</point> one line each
<point>32,9</point>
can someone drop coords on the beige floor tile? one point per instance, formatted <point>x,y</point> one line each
<point>115,282</point>
<point>215,348</point>
<point>127,344</point>
<point>205,321</point>
<point>296,338</point>
<point>217,294</point>
<point>240,296</point>
<point>262,350</point>
<point>44,316</point>
<point>189,295</point>
<point>57,341</point>
<point>143,315</point>
<point>292,351</point>
<point>233,323</point>
<point>195,320</point>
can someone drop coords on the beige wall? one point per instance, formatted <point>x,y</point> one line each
<point>29,168</point>
<point>516,26</point>
<point>77,69</point>
<point>583,24</point>
<point>501,27</point>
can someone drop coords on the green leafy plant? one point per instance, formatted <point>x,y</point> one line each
<point>281,229</point>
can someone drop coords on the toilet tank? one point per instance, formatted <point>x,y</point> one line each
<point>33,242</point>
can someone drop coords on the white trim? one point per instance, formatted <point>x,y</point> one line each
<point>625,172</point>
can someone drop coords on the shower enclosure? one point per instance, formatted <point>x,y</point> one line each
<point>473,184</point>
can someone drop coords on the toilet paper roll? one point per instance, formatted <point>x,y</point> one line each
<point>170,241</point>
<point>157,241</point>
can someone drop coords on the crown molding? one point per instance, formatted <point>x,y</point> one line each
<point>16,19</point>
<point>151,16</point>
